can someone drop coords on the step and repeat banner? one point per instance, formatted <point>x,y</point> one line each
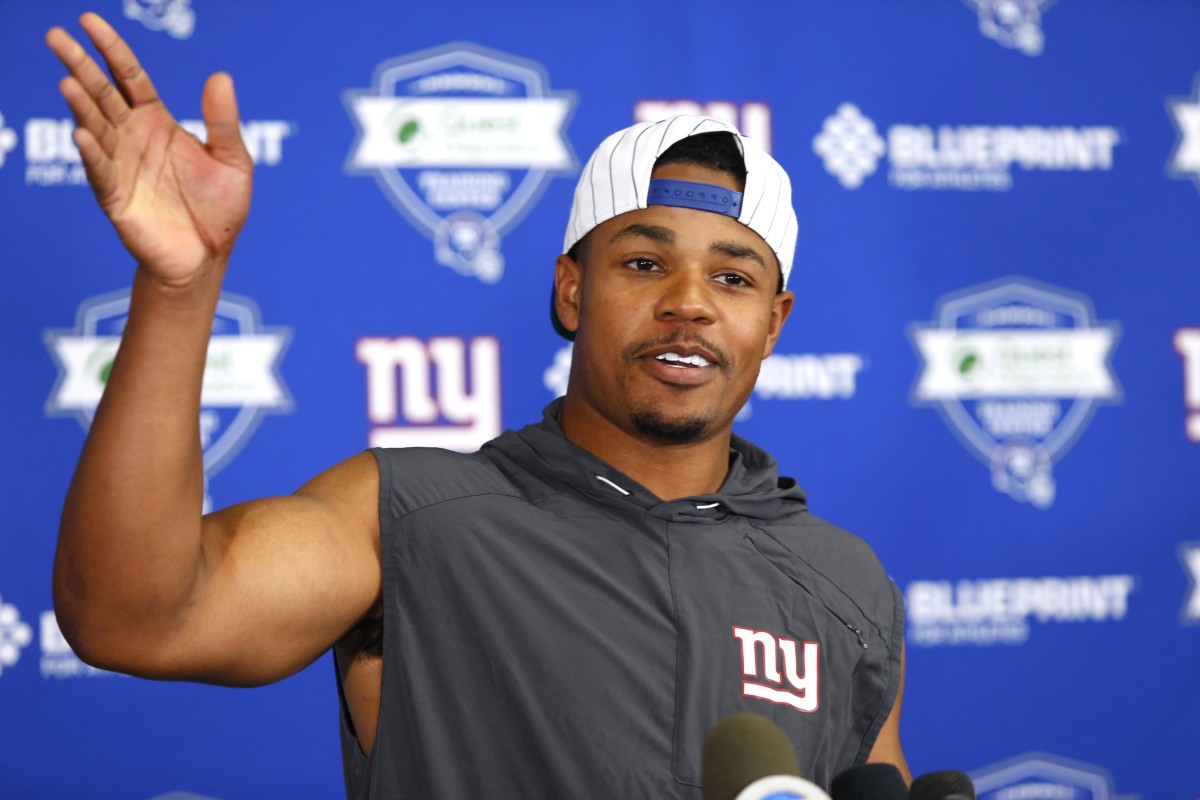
<point>992,372</point>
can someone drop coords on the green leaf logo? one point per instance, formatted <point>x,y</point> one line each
<point>407,131</point>
<point>967,363</point>
<point>105,371</point>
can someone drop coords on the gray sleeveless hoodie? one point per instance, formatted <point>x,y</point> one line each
<point>552,629</point>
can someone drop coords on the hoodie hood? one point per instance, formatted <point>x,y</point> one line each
<point>752,487</point>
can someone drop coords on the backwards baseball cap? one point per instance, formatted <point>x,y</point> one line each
<point>617,179</point>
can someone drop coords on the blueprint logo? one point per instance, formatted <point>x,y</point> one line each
<point>1000,611</point>
<point>1013,23</point>
<point>752,119</point>
<point>1185,113</point>
<point>176,17</point>
<point>8,140</point>
<point>463,140</point>
<point>417,391</point>
<point>1189,554</point>
<point>1040,776</point>
<point>241,378</point>
<point>51,158</point>
<point>957,157</point>
<point>1017,369</point>
<point>14,635</point>
<point>1187,344</point>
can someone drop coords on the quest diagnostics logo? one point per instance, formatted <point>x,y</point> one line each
<point>462,140</point>
<point>15,635</point>
<point>1041,776</point>
<point>241,379</point>
<point>1017,369</point>
<point>957,157</point>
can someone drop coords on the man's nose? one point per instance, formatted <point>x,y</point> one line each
<point>687,296</point>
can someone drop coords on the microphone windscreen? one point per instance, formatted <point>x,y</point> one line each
<point>739,750</point>
<point>948,784</point>
<point>869,782</point>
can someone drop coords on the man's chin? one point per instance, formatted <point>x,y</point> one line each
<point>670,430</point>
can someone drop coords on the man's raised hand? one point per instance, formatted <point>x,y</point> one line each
<point>177,204</point>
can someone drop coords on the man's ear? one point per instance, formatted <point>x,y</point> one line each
<point>781,306</point>
<point>568,279</point>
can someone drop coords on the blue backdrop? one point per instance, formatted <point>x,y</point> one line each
<point>992,372</point>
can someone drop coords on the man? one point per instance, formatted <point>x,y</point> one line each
<point>564,613</point>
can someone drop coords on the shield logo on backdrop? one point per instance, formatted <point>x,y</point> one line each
<point>463,140</point>
<point>241,378</point>
<point>1017,369</point>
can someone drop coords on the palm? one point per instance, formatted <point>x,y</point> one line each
<point>177,204</point>
<point>173,203</point>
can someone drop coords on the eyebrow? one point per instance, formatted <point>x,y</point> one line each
<point>655,232</point>
<point>735,250</point>
<point>664,235</point>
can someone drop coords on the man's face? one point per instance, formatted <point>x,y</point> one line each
<point>674,310</point>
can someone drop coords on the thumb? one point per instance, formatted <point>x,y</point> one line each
<point>219,106</point>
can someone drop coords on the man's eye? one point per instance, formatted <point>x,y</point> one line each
<point>732,279</point>
<point>642,264</point>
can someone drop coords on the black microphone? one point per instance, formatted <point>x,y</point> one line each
<point>749,757</point>
<point>948,784</point>
<point>869,782</point>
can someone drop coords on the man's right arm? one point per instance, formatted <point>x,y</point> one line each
<point>143,583</point>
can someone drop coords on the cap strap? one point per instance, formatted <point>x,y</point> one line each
<point>691,194</point>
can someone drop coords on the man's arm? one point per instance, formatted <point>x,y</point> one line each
<point>142,582</point>
<point>887,748</point>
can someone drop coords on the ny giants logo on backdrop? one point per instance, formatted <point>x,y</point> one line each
<point>1000,611</point>
<point>957,157</point>
<point>752,119</point>
<point>15,635</point>
<point>51,158</point>
<point>176,17</point>
<point>1185,114</point>
<point>1040,776</point>
<point>1187,344</point>
<point>463,140</point>
<point>765,680</point>
<point>1013,23</point>
<point>418,393</point>
<point>1017,369</point>
<point>241,381</point>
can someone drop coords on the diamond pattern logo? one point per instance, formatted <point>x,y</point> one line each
<point>14,635</point>
<point>849,145</point>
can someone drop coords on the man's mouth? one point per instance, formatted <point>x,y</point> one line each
<point>682,362</point>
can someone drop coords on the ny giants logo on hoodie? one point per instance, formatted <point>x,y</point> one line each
<point>801,669</point>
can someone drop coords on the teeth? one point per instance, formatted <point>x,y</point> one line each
<point>695,361</point>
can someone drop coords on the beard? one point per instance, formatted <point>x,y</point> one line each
<point>653,424</point>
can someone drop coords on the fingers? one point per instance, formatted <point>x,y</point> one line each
<point>87,115</point>
<point>219,106</point>
<point>99,166</point>
<point>122,63</point>
<point>135,85</point>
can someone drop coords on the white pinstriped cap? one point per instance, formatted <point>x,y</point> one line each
<point>617,179</point>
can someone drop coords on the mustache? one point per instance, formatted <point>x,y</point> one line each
<point>720,358</point>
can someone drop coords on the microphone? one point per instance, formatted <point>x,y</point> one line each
<point>748,757</point>
<point>948,784</point>
<point>870,782</point>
